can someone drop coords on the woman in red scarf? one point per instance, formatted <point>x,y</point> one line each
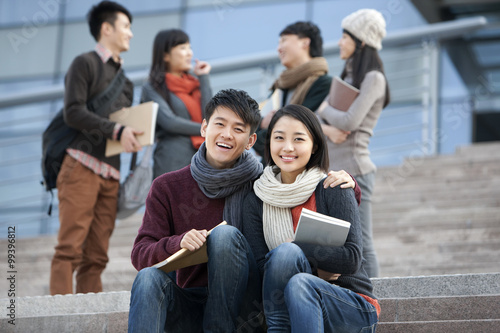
<point>181,98</point>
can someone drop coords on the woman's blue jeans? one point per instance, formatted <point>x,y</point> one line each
<point>232,300</point>
<point>297,301</point>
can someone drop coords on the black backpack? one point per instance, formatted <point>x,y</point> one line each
<point>58,136</point>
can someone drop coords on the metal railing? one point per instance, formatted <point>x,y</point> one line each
<point>411,58</point>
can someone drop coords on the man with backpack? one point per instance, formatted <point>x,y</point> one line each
<point>88,182</point>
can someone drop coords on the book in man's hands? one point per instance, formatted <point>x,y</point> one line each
<point>342,94</point>
<point>141,117</point>
<point>319,229</point>
<point>184,257</point>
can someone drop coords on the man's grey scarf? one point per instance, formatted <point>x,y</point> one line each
<point>232,184</point>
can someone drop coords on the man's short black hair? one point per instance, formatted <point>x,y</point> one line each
<point>104,11</point>
<point>310,30</point>
<point>237,101</point>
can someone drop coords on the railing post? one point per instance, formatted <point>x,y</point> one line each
<point>430,97</point>
<point>267,79</point>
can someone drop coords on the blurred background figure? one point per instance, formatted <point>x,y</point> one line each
<point>181,98</point>
<point>304,81</point>
<point>349,132</point>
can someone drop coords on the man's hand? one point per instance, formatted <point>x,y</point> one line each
<point>129,141</point>
<point>339,177</point>
<point>201,68</point>
<point>194,239</point>
<point>334,134</point>
<point>327,276</point>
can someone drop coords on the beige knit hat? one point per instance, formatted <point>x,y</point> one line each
<point>368,25</point>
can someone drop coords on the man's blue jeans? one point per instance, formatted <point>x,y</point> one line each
<point>232,300</point>
<point>297,301</point>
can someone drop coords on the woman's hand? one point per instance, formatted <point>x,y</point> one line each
<point>267,119</point>
<point>334,134</point>
<point>336,178</point>
<point>201,67</point>
<point>194,239</point>
<point>327,276</point>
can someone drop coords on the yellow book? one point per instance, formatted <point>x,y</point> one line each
<point>184,257</point>
<point>141,117</point>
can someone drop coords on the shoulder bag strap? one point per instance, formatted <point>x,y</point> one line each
<point>102,101</point>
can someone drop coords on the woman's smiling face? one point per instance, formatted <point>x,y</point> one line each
<point>291,147</point>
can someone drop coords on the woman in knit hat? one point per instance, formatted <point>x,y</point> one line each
<point>349,132</point>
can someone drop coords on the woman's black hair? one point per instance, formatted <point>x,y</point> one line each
<point>319,158</point>
<point>164,41</point>
<point>365,59</point>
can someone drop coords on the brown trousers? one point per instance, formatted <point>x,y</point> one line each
<point>87,213</point>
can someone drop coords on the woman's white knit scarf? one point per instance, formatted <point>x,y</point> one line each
<point>279,198</point>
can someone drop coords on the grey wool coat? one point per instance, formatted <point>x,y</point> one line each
<point>174,128</point>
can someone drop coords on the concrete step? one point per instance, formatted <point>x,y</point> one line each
<point>390,179</point>
<point>101,312</point>
<point>465,216</point>
<point>463,251</point>
<point>474,152</point>
<point>437,285</point>
<point>118,275</point>
<point>441,167</point>
<point>454,170</point>
<point>440,308</point>
<point>427,191</point>
<point>444,202</point>
<point>434,301</point>
<point>415,236</point>
<point>454,163</point>
<point>483,326</point>
<point>480,149</point>
<point>399,270</point>
<point>431,222</point>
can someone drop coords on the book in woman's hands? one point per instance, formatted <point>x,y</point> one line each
<point>342,94</point>
<point>184,257</point>
<point>320,229</point>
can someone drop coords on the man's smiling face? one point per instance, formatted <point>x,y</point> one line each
<point>226,138</point>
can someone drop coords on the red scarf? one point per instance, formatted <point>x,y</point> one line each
<point>296,211</point>
<point>187,88</point>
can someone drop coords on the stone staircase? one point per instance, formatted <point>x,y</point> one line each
<point>440,303</point>
<point>430,304</point>
<point>436,232</point>
<point>439,215</point>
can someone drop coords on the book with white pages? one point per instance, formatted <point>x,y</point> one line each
<point>141,117</point>
<point>185,258</point>
<point>321,229</point>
